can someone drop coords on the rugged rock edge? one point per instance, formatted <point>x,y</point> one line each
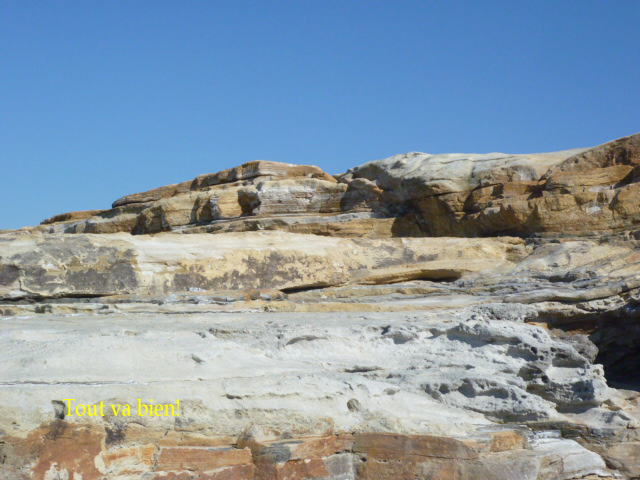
<point>336,327</point>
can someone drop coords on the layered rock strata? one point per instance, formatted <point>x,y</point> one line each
<point>360,336</point>
<point>573,192</point>
<point>41,266</point>
<point>451,394</point>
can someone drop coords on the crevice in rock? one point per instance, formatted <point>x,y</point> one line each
<point>616,335</point>
<point>619,352</point>
<point>303,288</point>
<point>68,297</point>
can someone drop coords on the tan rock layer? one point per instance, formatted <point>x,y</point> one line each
<point>245,171</point>
<point>67,450</point>
<point>596,190</point>
<point>100,265</point>
<point>575,192</point>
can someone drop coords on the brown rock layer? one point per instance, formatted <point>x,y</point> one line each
<point>67,450</point>
<point>596,190</point>
<point>576,192</point>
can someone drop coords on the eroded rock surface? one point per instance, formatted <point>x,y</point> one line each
<point>37,266</point>
<point>323,347</point>
<point>455,387</point>
<point>575,192</point>
<point>572,192</point>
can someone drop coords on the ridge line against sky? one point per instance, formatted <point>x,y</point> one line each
<point>103,99</point>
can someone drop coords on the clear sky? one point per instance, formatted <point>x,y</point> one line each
<point>104,98</point>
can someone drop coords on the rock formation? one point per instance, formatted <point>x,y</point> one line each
<point>575,192</point>
<point>458,316</point>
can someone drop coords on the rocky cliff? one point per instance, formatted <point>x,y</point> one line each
<point>458,316</point>
<point>574,192</point>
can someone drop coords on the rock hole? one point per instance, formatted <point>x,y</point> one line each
<point>115,433</point>
<point>58,409</point>
<point>618,352</point>
<point>354,405</point>
<point>616,337</point>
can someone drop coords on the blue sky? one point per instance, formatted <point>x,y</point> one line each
<point>104,98</point>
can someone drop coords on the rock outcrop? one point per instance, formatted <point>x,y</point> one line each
<point>419,317</point>
<point>574,192</point>
<point>42,266</point>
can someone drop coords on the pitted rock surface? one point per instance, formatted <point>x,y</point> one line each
<point>450,316</point>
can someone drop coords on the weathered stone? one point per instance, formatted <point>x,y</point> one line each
<point>71,216</point>
<point>247,171</point>
<point>238,472</point>
<point>576,192</point>
<point>389,446</point>
<point>330,350</point>
<point>94,265</point>
<point>200,458</point>
<point>126,460</point>
<point>624,456</point>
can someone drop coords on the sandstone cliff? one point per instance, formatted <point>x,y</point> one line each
<point>575,192</point>
<point>455,316</point>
